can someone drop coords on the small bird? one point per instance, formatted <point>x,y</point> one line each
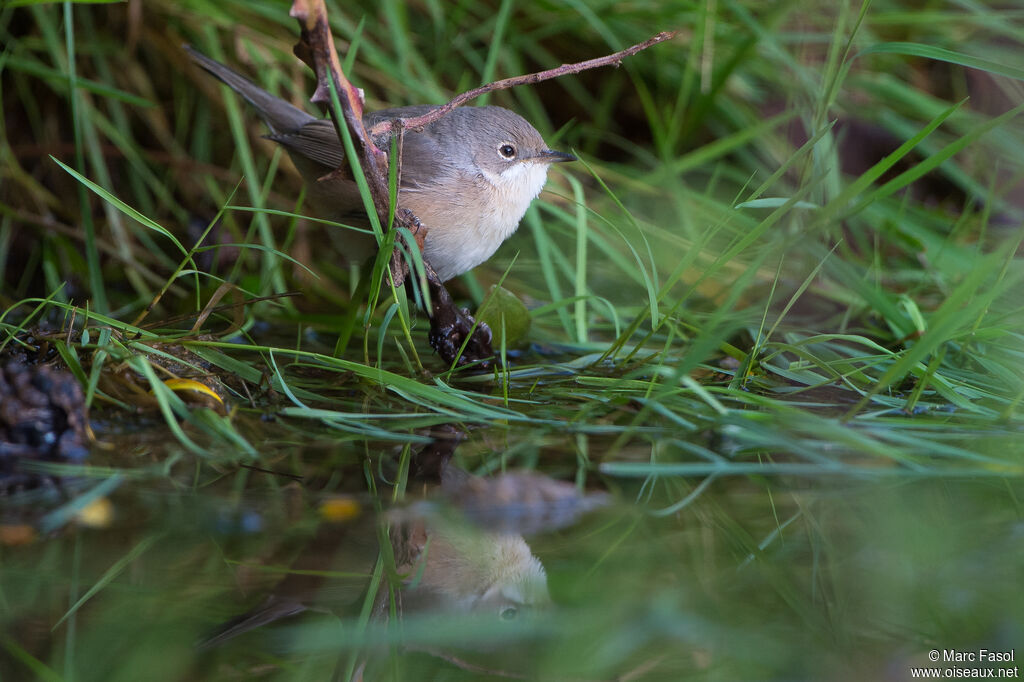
<point>453,568</point>
<point>468,177</point>
<point>459,549</point>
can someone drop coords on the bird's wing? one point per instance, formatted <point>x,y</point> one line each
<point>317,141</point>
<point>421,152</point>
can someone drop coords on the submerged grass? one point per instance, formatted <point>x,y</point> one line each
<point>790,258</point>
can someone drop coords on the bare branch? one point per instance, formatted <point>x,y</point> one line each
<point>316,48</point>
<point>418,122</point>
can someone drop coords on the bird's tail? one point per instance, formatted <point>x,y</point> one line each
<point>271,610</point>
<point>278,114</point>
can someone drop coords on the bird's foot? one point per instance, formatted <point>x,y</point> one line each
<point>448,333</point>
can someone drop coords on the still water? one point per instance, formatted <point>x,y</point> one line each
<point>441,559</point>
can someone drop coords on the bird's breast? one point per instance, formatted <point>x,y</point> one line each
<point>469,219</point>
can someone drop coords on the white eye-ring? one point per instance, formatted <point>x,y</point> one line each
<point>507,151</point>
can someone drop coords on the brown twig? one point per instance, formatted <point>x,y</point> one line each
<point>418,122</point>
<point>316,48</point>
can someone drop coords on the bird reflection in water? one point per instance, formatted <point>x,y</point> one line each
<point>458,551</point>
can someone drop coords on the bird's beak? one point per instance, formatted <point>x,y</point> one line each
<point>552,156</point>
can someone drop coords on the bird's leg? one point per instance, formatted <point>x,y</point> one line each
<point>430,463</point>
<point>399,267</point>
<point>450,326</point>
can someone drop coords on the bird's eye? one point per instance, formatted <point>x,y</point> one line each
<point>507,150</point>
<point>509,613</point>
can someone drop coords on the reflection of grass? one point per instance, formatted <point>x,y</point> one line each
<point>712,295</point>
